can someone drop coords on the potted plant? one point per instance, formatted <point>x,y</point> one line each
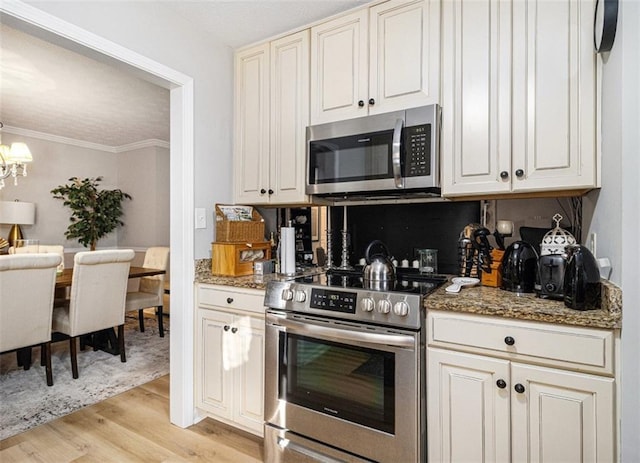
<point>94,212</point>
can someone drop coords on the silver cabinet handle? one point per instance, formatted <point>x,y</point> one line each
<point>395,154</point>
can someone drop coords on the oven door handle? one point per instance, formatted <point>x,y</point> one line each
<point>395,154</point>
<point>337,334</point>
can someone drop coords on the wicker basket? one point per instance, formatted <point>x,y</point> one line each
<point>240,230</point>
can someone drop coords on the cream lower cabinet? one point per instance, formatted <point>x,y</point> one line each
<point>518,97</point>
<point>230,356</point>
<point>486,403</point>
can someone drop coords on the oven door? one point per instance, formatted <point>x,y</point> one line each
<point>352,387</point>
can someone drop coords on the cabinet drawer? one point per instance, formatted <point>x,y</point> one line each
<point>247,300</point>
<point>582,349</point>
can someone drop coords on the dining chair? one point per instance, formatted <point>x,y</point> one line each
<point>151,290</point>
<point>27,283</point>
<point>42,249</point>
<point>96,303</point>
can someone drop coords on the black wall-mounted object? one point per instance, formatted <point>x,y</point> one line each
<point>605,23</point>
<point>404,228</point>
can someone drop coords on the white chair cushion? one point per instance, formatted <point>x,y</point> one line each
<point>27,283</point>
<point>98,292</point>
<point>137,300</point>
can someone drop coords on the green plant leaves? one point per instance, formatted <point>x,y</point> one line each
<point>94,212</point>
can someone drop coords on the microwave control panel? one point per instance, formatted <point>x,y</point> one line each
<point>417,151</point>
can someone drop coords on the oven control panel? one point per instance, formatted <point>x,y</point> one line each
<point>334,301</point>
<point>356,304</point>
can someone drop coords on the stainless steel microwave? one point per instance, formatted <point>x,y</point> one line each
<point>391,152</point>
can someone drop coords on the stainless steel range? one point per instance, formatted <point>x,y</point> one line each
<point>345,370</point>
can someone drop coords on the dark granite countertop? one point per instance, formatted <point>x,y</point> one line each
<point>481,300</point>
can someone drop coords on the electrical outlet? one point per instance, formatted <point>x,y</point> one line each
<point>201,217</point>
<point>592,244</point>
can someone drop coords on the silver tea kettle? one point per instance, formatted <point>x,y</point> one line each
<point>379,268</point>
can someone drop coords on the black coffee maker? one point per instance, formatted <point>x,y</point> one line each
<point>581,279</point>
<point>519,268</point>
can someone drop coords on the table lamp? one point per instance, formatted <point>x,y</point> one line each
<point>17,213</point>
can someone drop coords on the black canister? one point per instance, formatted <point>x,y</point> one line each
<point>519,268</point>
<point>581,279</point>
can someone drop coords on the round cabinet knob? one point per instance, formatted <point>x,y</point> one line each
<point>367,304</point>
<point>501,383</point>
<point>270,191</point>
<point>519,388</point>
<point>287,294</point>
<point>229,300</point>
<point>301,296</point>
<point>361,103</point>
<point>509,341</point>
<point>384,306</point>
<point>226,327</point>
<point>372,101</point>
<point>504,175</point>
<point>401,308</point>
<point>519,173</point>
<point>263,191</point>
<point>234,330</point>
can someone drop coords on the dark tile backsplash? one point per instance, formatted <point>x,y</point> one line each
<point>405,228</point>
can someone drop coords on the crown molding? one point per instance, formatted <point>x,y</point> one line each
<point>153,143</point>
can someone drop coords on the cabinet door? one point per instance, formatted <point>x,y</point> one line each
<point>554,95</point>
<point>339,68</point>
<point>404,54</point>
<point>289,117</point>
<point>562,416</point>
<point>249,389</point>
<point>467,413</point>
<point>214,382</point>
<point>476,96</point>
<point>251,131</point>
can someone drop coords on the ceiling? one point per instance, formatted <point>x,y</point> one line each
<point>49,89</point>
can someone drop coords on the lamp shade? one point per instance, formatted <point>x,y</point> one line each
<point>20,153</point>
<point>17,212</point>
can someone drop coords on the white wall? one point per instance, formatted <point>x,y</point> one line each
<point>143,173</point>
<point>54,163</point>
<point>158,33</point>
<point>616,207</point>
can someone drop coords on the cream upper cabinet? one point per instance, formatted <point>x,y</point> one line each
<point>507,390</point>
<point>271,115</point>
<point>289,117</point>
<point>476,96</point>
<point>375,60</point>
<point>251,131</point>
<point>554,95</point>
<point>518,97</point>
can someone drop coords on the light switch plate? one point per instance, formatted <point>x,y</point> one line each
<point>201,217</point>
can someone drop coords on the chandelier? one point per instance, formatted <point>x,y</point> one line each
<point>13,160</point>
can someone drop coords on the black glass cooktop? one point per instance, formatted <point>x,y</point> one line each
<point>406,282</point>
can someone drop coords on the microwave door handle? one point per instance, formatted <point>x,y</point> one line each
<point>395,154</point>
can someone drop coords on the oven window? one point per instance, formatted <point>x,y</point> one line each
<point>352,383</point>
<point>351,159</point>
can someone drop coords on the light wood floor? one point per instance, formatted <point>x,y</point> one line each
<point>131,427</point>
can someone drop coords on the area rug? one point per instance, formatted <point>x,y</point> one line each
<point>26,400</point>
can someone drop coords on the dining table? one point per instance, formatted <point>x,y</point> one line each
<point>106,339</point>
<point>64,279</point>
